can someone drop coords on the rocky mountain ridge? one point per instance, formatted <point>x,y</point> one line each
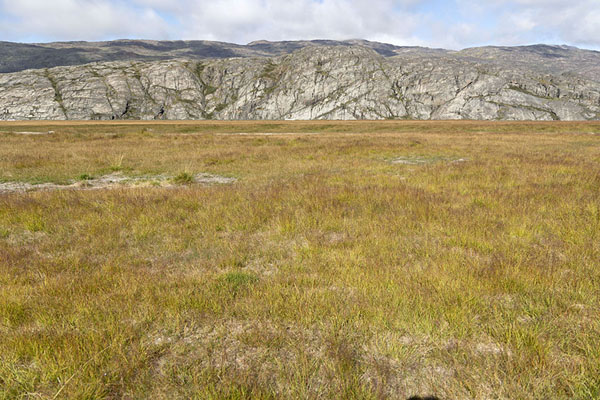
<point>21,56</point>
<point>302,80</point>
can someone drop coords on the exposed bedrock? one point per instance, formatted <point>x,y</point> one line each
<point>314,82</point>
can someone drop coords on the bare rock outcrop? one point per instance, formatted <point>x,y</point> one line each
<point>353,81</point>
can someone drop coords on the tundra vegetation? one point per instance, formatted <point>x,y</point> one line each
<point>345,260</point>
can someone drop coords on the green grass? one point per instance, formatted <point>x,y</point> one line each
<point>183,178</point>
<point>325,271</point>
<point>235,282</point>
<point>85,177</point>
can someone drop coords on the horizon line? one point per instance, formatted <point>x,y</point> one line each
<point>531,44</point>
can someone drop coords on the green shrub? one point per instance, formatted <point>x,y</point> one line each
<point>183,178</point>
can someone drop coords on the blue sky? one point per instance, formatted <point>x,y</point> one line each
<point>436,23</point>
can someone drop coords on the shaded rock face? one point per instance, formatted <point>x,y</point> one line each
<point>315,82</point>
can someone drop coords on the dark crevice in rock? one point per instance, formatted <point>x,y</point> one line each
<point>127,109</point>
<point>57,94</point>
<point>161,113</point>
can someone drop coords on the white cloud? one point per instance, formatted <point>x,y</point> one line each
<point>532,21</point>
<point>79,19</point>
<point>242,21</point>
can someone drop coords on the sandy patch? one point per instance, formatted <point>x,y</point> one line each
<point>417,160</point>
<point>269,133</point>
<point>115,180</point>
<point>31,133</point>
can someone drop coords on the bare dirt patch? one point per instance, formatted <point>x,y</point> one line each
<point>116,180</point>
<point>269,133</point>
<point>418,160</point>
<point>29,133</point>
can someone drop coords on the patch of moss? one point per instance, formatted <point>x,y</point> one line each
<point>208,90</point>
<point>269,71</point>
<point>220,107</point>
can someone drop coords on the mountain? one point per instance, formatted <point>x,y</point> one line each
<point>20,56</point>
<point>352,79</point>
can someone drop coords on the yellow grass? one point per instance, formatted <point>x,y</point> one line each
<point>349,260</point>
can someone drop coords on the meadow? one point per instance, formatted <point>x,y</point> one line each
<point>355,260</point>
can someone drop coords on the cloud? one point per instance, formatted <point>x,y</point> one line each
<point>78,19</point>
<point>436,23</point>
<point>244,20</point>
<point>534,21</point>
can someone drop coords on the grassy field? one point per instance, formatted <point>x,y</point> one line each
<point>362,260</point>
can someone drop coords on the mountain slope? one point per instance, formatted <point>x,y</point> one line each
<point>322,80</point>
<point>18,56</point>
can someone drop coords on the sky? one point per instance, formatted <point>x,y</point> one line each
<point>452,24</point>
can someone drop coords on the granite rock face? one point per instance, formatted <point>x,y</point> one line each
<point>350,81</point>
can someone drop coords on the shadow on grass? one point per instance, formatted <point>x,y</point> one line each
<point>423,398</point>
